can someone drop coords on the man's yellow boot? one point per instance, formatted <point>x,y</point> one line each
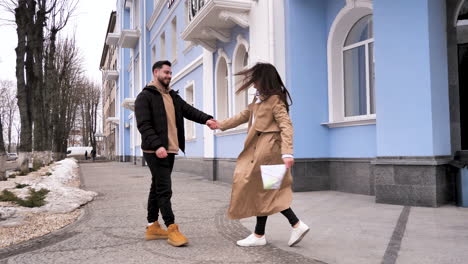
<point>175,236</point>
<point>155,231</point>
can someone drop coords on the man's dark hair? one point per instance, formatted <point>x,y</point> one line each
<point>158,65</point>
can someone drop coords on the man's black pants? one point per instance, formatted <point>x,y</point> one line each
<point>161,188</point>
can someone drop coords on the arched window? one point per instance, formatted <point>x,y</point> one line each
<point>222,88</point>
<point>358,69</point>
<point>241,62</point>
<point>351,91</point>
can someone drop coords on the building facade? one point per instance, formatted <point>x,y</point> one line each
<point>110,76</point>
<point>377,94</point>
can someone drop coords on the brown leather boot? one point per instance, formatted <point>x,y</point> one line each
<point>155,231</point>
<point>175,236</point>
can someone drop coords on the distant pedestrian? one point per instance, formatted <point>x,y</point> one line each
<point>160,113</point>
<point>269,141</point>
<point>93,154</point>
<point>86,155</point>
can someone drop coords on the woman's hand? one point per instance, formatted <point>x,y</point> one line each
<point>289,162</point>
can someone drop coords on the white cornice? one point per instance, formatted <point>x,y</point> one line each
<point>232,10</point>
<point>156,12</point>
<point>163,23</point>
<point>222,35</point>
<point>188,69</point>
<point>241,19</point>
<point>362,122</point>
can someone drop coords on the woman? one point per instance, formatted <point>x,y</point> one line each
<point>269,141</point>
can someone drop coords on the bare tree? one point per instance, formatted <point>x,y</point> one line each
<point>33,19</point>
<point>8,109</point>
<point>66,94</point>
<point>89,102</point>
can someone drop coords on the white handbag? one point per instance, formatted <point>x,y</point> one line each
<point>272,176</point>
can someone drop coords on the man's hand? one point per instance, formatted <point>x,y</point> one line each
<point>212,124</point>
<point>289,162</point>
<point>161,153</point>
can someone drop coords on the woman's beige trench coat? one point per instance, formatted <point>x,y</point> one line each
<point>270,136</point>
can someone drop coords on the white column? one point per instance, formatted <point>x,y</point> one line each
<point>208,106</point>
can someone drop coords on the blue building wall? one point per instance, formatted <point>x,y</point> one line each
<point>306,76</point>
<point>229,146</point>
<point>308,25</point>
<point>411,79</point>
<point>124,77</point>
<point>355,141</point>
<point>193,148</point>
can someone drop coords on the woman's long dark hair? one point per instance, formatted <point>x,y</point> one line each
<point>267,81</point>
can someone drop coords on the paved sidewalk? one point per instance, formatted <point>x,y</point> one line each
<point>345,228</point>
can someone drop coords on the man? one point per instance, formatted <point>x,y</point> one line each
<point>160,114</point>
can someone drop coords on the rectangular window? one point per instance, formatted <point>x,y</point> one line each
<point>355,91</point>
<point>163,46</point>
<point>137,77</point>
<point>189,125</point>
<point>136,14</point>
<point>153,54</point>
<point>174,39</point>
<point>371,78</point>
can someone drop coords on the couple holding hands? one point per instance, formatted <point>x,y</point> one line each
<point>160,112</point>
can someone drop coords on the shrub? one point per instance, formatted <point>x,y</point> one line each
<point>35,198</point>
<point>21,186</point>
<point>7,196</point>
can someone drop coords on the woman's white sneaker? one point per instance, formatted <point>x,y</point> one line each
<point>298,233</point>
<point>252,241</point>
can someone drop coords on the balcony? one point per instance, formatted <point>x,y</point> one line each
<point>111,75</point>
<point>113,120</point>
<point>112,39</point>
<point>213,20</point>
<point>129,103</point>
<point>129,38</point>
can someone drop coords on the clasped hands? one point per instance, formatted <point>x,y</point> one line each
<point>212,124</point>
<point>162,152</point>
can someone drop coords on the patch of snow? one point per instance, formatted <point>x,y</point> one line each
<point>61,198</point>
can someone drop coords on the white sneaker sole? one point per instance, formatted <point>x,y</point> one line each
<point>300,238</point>
<point>250,245</point>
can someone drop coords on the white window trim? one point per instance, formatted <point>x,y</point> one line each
<point>344,21</point>
<point>187,85</point>
<point>176,43</point>
<point>222,54</point>
<point>241,42</point>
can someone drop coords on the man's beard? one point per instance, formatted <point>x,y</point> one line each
<point>164,82</point>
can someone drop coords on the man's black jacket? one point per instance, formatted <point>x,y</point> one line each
<point>152,120</point>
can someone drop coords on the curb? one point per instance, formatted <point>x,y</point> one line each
<point>50,238</point>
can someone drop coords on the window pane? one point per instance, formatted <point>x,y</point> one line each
<point>355,81</point>
<point>222,91</point>
<point>371,78</point>
<point>361,31</point>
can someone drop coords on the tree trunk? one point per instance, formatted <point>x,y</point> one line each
<point>23,19</point>
<point>2,154</point>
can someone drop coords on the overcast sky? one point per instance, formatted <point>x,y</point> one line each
<point>89,24</point>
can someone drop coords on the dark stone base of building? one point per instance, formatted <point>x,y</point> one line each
<point>424,181</point>
<point>124,158</point>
